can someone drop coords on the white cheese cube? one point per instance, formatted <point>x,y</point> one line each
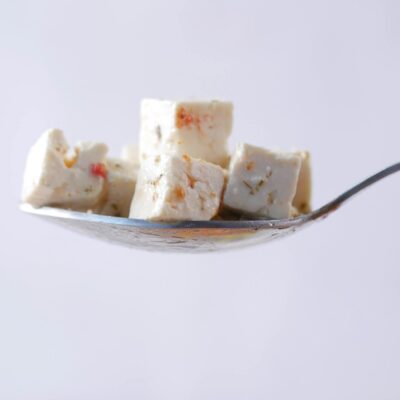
<point>199,129</point>
<point>57,176</point>
<point>302,198</point>
<point>130,153</point>
<point>262,182</point>
<point>121,181</point>
<point>174,188</point>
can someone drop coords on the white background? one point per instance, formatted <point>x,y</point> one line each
<point>314,316</point>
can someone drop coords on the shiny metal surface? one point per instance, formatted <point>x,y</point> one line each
<point>193,236</point>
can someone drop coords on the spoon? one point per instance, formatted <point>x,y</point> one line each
<point>193,236</point>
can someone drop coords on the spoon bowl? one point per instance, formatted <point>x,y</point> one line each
<point>193,236</point>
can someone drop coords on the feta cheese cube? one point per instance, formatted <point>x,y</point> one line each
<point>121,181</point>
<point>174,188</point>
<point>199,129</point>
<point>58,176</point>
<point>262,182</point>
<point>302,198</point>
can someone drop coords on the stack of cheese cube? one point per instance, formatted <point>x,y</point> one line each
<point>182,170</point>
<point>80,178</point>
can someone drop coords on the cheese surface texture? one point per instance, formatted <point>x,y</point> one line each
<point>177,188</point>
<point>262,182</point>
<point>59,176</point>
<point>120,187</point>
<point>199,129</point>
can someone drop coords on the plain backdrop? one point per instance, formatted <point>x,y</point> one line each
<point>314,316</point>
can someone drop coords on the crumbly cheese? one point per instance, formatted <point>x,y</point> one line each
<point>174,188</point>
<point>58,176</point>
<point>302,198</point>
<point>262,182</point>
<point>199,129</point>
<point>121,181</point>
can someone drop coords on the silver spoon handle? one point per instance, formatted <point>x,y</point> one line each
<point>336,203</point>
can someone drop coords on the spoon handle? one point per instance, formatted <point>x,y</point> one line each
<point>336,203</point>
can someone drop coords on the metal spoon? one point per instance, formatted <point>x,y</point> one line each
<point>193,236</point>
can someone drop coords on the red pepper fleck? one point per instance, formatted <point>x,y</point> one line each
<point>186,118</point>
<point>183,118</point>
<point>99,170</point>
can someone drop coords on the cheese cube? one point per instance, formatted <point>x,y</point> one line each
<point>121,181</point>
<point>175,188</point>
<point>199,129</point>
<point>130,153</point>
<point>262,182</point>
<point>302,198</point>
<point>57,176</point>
